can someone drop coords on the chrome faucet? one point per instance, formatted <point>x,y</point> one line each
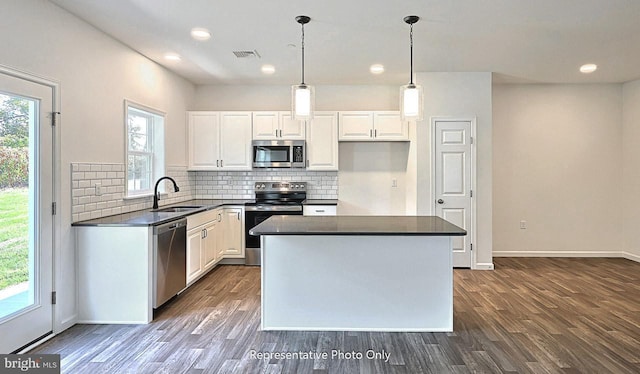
<point>155,191</point>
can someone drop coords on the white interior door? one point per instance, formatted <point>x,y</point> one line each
<point>453,184</point>
<point>26,221</point>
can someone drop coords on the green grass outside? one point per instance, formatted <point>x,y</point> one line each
<point>14,236</point>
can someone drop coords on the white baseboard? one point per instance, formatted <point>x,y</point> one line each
<point>65,324</point>
<point>484,266</point>
<point>631,256</point>
<point>627,255</point>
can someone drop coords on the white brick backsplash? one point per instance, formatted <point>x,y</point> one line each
<point>87,205</point>
<point>239,184</point>
<point>193,185</point>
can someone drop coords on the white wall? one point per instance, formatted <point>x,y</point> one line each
<point>458,95</point>
<point>366,175</point>
<point>366,97</point>
<point>631,168</point>
<point>557,161</point>
<point>95,74</point>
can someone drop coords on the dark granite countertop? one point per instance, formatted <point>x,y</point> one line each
<point>320,202</point>
<point>357,225</point>
<point>150,218</point>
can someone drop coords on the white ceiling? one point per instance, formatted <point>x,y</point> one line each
<point>520,40</point>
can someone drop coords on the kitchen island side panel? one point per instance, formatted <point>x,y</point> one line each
<point>357,283</point>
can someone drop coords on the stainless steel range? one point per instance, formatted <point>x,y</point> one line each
<point>272,198</point>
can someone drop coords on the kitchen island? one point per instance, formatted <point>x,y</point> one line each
<point>357,273</point>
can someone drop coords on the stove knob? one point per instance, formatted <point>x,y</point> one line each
<point>262,186</point>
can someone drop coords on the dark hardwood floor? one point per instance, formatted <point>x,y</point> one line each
<point>530,315</point>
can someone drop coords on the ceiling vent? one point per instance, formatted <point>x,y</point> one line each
<point>246,54</point>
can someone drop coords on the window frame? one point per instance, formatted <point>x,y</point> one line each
<point>156,153</point>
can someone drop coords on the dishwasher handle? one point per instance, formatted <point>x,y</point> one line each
<point>169,226</point>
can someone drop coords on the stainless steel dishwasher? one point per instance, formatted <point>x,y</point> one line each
<point>169,260</point>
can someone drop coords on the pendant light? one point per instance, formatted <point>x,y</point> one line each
<point>302,95</point>
<point>411,94</point>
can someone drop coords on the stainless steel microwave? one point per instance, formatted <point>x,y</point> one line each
<point>278,153</point>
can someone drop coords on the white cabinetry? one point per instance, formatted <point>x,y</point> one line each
<point>203,238</point>
<point>212,236</point>
<point>319,210</point>
<point>211,243</point>
<point>219,140</point>
<point>195,239</point>
<point>233,231</point>
<point>373,126</point>
<point>322,141</point>
<point>276,126</point>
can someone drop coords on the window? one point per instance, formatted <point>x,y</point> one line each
<point>145,148</point>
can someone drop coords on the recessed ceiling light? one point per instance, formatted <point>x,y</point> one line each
<point>376,69</point>
<point>268,69</point>
<point>588,68</point>
<point>199,33</point>
<point>172,57</point>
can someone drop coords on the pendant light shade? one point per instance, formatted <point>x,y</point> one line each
<point>302,95</point>
<point>411,95</point>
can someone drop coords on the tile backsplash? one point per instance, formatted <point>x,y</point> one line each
<point>239,184</point>
<point>88,204</point>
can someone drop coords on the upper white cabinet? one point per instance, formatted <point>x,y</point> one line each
<point>373,126</point>
<point>322,141</point>
<point>219,140</point>
<point>276,126</point>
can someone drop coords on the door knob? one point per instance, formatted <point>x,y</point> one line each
<point>440,201</point>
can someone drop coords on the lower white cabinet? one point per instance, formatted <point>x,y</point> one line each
<point>233,232</point>
<point>212,236</point>
<point>195,239</point>
<point>319,210</point>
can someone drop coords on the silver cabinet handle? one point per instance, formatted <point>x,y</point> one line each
<point>219,217</point>
<point>319,210</point>
<point>238,216</point>
<point>375,133</point>
<point>217,163</point>
<point>371,133</point>
<point>221,165</point>
<point>440,201</point>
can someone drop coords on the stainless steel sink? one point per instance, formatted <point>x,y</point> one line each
<point>177,209</point>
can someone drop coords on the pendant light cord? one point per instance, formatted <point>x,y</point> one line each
<point>411,44</point>
<point>302,53</point>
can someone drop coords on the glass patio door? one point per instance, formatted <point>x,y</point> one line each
<point>26,220</point>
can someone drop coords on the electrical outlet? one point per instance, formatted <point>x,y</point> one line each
<point>394,182</point>
<point>523,225</point>
<point>98,187</point>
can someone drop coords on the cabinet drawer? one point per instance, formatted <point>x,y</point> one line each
<point>319,210</point>
<point>200,219</point>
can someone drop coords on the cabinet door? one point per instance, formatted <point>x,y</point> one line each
<point>210,245</point>
<point>356,126</point>
<point>322,142</point>
<point>203,140</point>
<point>194,253</point>
<point>291,129</point>
<point>235,140</point>
<point>388,126</point>
<point>265,125</point>
<point>232,227</point>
